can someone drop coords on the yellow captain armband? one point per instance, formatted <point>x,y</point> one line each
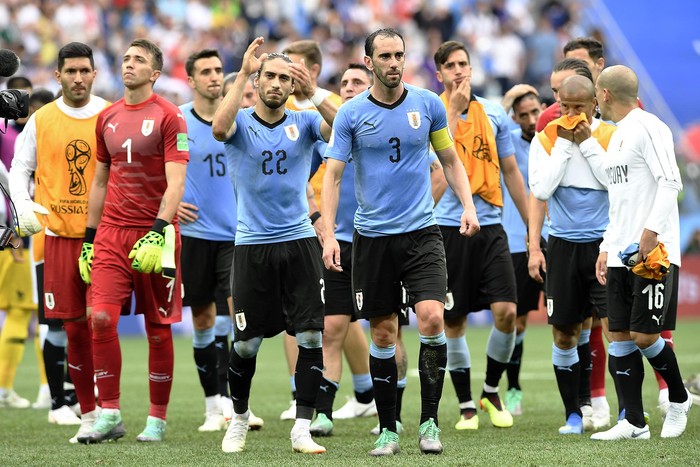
<point>441,139</point>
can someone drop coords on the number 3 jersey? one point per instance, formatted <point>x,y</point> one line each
<point>269,164</point>
<point>136,141</point>
<point>208,185</point>
<point>389,145</point>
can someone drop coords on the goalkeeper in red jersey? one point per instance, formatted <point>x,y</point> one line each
<point>142,156</point>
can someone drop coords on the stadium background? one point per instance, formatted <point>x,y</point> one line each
<point>510,41</point>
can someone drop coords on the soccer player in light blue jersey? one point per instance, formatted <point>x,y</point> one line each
<point>309,51</point>
<point>480,269</point>
<point>387,131</point>
<point>276,264</point>
<point>563,171</point>
<point>526,106</point>
<point>207,216</point>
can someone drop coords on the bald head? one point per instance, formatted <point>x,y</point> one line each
<point>577,86</point>
<point>577,96</point>
<point>621,82</point>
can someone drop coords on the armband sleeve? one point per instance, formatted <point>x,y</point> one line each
<point>441,139</point>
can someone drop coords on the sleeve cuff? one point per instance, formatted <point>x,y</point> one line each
<point>589,146</point>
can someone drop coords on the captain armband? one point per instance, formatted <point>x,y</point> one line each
<point>441,139</point>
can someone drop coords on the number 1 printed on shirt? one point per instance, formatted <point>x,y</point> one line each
<point>127,145</point>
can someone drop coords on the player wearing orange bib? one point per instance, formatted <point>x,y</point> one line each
<point>58,144</point>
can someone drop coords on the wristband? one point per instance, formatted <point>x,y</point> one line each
<point>159,225</point>
<point>319,96</point>
<point>314,217</point>
<point>90,235</point>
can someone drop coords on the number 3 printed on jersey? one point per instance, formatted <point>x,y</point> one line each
<point>396,144</point>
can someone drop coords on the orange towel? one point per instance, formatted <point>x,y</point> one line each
<point>549,135</point>
<point>476,147</point>
<point>656,264</point>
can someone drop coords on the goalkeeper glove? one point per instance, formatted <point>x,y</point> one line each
<point>29,223</point>
<point>86,255</point>
<point>147,251</point>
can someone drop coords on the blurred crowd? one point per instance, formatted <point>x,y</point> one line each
<point>510,41</point>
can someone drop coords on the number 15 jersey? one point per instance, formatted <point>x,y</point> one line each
<point>269,165</point>
<point>136,141</point>
<point>208,184</point>
<point>389,146</point>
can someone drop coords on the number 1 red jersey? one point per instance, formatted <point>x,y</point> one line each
<point>136,141</point>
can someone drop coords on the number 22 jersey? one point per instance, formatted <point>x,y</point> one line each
<point>269,164</point>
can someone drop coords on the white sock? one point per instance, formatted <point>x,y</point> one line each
<point>600,403</point>
<point>302,424</point>
<point>212,404</point>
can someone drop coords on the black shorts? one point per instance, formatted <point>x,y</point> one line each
<point>573,291</point>
<point>479,270</point>
<point>382,264</point>
<point>206,272</point>
<point>406,308</point>
<point>642,305</point>
<point>528,288</point>
<point>338,285</point>
<point>277,287</point>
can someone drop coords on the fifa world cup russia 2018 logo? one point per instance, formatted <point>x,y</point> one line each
<point>78,156</point>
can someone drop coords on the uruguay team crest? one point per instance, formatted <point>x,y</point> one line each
<point>292,132</point>
<point>147,127</point>
<point>49,301</point>
<point>359,300</point>
<point>241,323</point>
<point>550,306</point>
<point>414,119</point>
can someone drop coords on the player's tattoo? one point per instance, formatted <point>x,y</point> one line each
<point>162,206</point>
<point>402,365</point>
<point>435,165</point>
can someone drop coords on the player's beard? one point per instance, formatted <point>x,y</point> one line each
<point>273,105</point>
<point>390,84</point>
<point>74,97</point>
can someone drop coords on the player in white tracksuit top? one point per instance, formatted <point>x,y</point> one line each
<point>643,186</point>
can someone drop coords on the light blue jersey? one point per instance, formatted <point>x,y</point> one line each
<point>347,205</point>
<point>449,210</point>
<point>207,185</point>
<point>568,205</point>
<point>512,222</point>
<point>389,145</point>
<point>270,166</point>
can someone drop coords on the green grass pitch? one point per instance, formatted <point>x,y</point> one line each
<point>27,439</point>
